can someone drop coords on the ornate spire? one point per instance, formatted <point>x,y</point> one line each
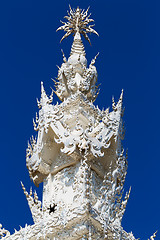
<point>73,76</point>
<point>44,98</point>
<point>78,22</point>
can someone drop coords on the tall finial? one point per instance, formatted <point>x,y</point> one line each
<point>78,22</point>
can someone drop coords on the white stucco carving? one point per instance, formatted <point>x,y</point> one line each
<point>153,236</point>
<point>3,232</point>
<point>77,154</point>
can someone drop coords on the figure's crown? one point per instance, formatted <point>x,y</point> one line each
<point>78,21</point>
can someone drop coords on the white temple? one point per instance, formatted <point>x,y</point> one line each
<point>77,154</point>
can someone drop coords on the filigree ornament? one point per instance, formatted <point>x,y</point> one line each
<point>93,139</point>
<point>153,236</point>
<point>111,207</point>
<point>74,78</point>
<point>34,204</point>
<point>78,21</point>
<point>3,232</point>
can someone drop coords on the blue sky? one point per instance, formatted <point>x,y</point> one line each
<point>129,46</point>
